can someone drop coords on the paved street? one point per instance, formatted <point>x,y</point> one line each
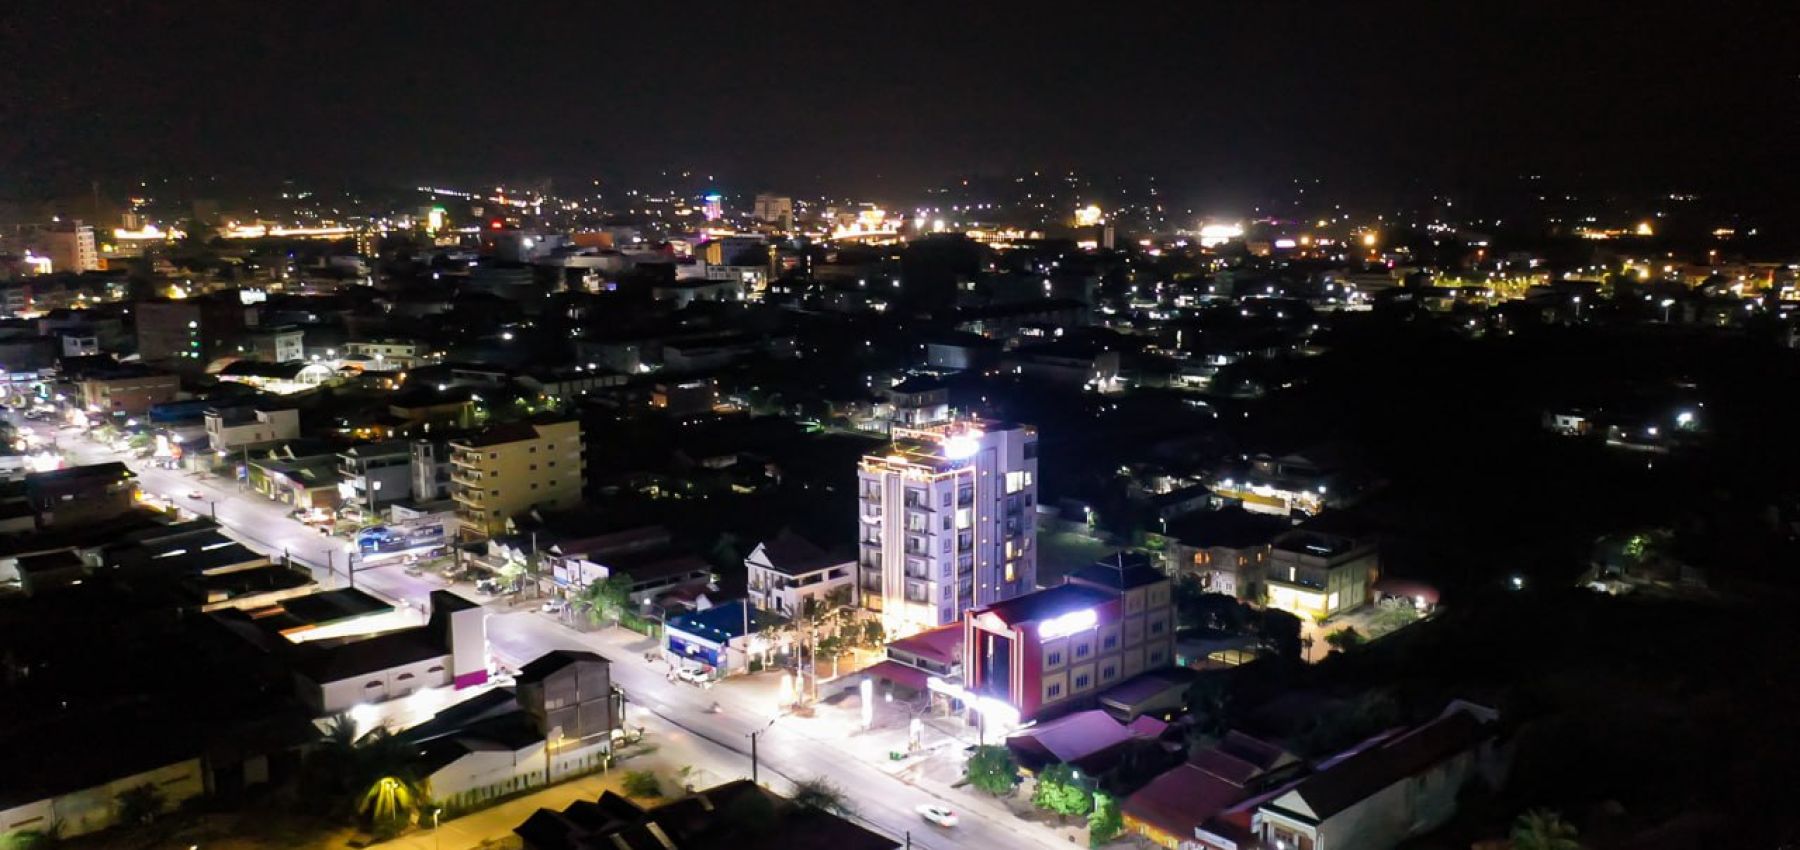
<point>257,522</point>
<point>885,795</point>
<point>788,748</point>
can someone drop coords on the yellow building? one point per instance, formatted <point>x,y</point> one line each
<point>509,469</point>
<point>1314,575</point>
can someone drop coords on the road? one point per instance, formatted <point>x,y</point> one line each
<point>785,752</point>
<point>257,522</point>
<point>880,800</point>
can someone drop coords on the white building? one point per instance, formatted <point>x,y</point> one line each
<point>789,570</point>
<point>375,474</point>
<point>387,355</point>
<point>450,650</point>
<point>947,522</point>
<point>232,428</point>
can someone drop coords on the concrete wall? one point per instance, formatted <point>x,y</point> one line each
<point>479,776</point>
<point>332,697</point>
<point>96,808</point>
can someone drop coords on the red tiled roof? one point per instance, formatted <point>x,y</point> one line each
<point>1181,799</point>
<point>940,644</point>
<point>899,674</point>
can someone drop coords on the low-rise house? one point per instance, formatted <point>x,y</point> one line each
<point>559,722</point>
<point>1226,550</point>
<point>721,640</point>
<point>1092,741</point>
<point>913,661</point>
<point>1390,788</point>
<point>1083,364</point>
<point>387,355</point>
<point>81,495</point>
<point>789,572</point>
<point>1280,486</point>
<point>232,428</point>
<point>1196,804</point>
<point>711,819</point>
<point>1315,574</point>
<point>306,483</point>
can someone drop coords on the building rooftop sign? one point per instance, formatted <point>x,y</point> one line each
<point>1068,624</point>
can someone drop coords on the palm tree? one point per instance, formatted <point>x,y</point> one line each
<point>814,614</point>
<point>391,802</point>
<point>606,599</point>
<point>1542,829</point>
<point>330,767</point>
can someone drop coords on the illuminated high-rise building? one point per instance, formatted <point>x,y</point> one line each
<point>947,522</point>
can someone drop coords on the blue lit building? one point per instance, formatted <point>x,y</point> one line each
<point>720,640</point>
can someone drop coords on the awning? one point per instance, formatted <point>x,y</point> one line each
<point>899,674</point>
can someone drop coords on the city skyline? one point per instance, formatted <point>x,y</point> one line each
<point>1225,106</point>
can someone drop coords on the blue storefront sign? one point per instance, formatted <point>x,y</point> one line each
<point>693,649</point>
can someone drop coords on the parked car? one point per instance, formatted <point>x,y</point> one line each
<point>937,814</point>
<point>693,676</point>
<point>196,495</point>
<point>488,586</point>
<point>554,606</point>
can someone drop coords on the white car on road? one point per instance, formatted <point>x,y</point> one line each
<point>937,814</point>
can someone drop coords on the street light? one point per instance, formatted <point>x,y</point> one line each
<point>1666,304</point>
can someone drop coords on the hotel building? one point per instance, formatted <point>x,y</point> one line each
<point>947,522</point>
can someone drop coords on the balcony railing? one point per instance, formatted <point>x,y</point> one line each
<point>466,479</point>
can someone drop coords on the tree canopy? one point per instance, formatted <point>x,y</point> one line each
<point>1062,790</point>
<point>992,769</point>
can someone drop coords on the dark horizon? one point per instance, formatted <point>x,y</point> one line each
<point>1229,104</point>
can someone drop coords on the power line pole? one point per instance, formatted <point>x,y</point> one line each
<point>753,756</point>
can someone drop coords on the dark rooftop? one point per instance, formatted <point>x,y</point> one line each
<point>1342,784</point>
<point>555,660</point>
<point>334,660</point>
<point>92,472</point>
<point>1120,571</point>
<point>1050,602</point>
<point>713,819</point>
<point>1231,528</point>
<point>791,554</point>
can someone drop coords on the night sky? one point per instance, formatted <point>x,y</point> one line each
<point>860,97</point>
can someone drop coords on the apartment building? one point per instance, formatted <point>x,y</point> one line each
<point>509,469</point>
<point>947,522</point>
